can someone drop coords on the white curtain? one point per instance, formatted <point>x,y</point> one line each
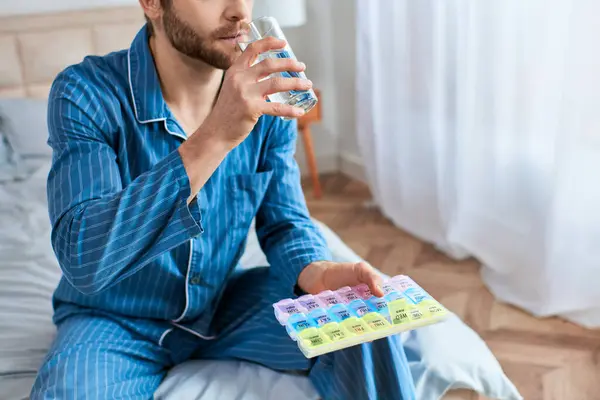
<point>479,124</point>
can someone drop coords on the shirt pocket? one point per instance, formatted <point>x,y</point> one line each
<point>247,192</point>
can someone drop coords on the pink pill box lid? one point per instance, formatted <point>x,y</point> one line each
<point>285,308</point>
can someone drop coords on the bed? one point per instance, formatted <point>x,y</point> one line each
<point>32,50</point>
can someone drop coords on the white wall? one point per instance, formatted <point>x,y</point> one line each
<point>327,44</point>
<point>16,7</point>
<point>344,35</point>
<point>313,45</point>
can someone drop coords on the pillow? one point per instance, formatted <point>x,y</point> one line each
<point>26,126</point>
<point>450,355</point>
<point>11,166</point>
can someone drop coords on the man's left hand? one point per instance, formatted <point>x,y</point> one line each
<point>325,275</point>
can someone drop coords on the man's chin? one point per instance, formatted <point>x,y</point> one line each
<point>226,59</point>
<point>231,53</point>
<point>219,60</point>
<point>224,63</point>
<point>220,57</point>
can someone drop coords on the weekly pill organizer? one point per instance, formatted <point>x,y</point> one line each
<point>334,320</point>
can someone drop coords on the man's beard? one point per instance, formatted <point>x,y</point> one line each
<point>185,40</point>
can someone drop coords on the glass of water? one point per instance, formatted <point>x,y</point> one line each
<point>268,26</point>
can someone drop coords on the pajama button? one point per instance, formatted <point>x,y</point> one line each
<point>196,280</point>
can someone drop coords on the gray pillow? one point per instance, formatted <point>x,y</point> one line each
<point>11,166</point>
<point>25,126</point>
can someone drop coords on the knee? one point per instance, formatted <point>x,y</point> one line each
<point>69,374</point>
<point>48,383</point>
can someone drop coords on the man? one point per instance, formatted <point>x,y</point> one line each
<point>162,156</point>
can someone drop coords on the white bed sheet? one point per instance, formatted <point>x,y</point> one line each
<point>29,274</point>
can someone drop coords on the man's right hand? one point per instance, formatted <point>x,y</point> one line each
<point>242,100</point>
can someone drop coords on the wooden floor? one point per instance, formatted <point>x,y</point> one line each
<point>546,359</point>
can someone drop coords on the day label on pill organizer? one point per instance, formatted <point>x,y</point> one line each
<point>309,302</point>
<point>347,294</point>
<point>399,311</point>
<point>334,320</point>
<point>376,321</point>
<point>329,298</point>
<point>339,312</point>
<point>388,288</point>
<point>416,314</point>
<point>300,325</point>
<point>355,326</point>
<point>358,308</point>
<point>334,331</point>
<point>311,337</point>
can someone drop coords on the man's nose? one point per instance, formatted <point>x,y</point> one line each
<point>239,10</point>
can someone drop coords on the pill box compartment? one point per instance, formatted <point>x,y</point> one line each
<point>351,316</point>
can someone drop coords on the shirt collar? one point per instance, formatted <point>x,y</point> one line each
<point>148,101</point>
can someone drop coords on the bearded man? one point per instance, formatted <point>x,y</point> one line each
<point>163,155</point>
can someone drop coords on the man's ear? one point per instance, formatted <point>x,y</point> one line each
<point>152,8</point>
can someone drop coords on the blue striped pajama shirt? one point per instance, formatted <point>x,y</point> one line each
<point>150,281</point>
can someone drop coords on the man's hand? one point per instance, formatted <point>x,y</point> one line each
<point>324,275</point>
<point>241,102</point>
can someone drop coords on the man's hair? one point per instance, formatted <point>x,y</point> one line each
<point>163,4</point>
<point>149,23</point>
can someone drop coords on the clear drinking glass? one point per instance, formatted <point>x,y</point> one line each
<point>268,26</point>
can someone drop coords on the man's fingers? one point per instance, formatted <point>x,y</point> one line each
<point>251,52</point>
<point>282,110</point>
<point>275,65</point>
<point>336,275</point>
<point>278,85</point>
<point>369,275</point>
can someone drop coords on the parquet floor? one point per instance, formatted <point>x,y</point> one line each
<point>547,359</point>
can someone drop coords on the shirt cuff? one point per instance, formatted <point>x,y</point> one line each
<point>297,263</point>
<point>189,214</point>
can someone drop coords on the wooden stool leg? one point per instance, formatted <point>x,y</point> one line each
<point>311,160</point>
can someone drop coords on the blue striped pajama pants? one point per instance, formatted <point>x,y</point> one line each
<point>95,357</point>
